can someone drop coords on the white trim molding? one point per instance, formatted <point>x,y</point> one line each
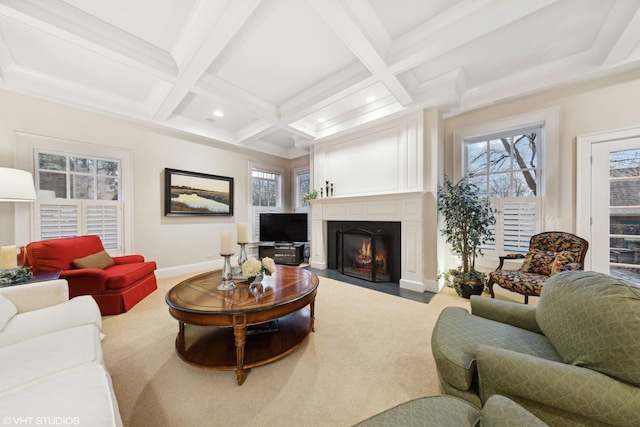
<point>406,208</point>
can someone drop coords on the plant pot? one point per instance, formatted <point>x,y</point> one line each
<point>466,288</point>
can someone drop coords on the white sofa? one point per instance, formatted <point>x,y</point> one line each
<point>51,365</point>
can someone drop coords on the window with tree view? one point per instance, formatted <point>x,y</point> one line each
<point>79,195</point>
<point>303,186</point>
<point>266,194</point>
<point>506,168</point>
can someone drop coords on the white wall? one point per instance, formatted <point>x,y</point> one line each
<point>383,159</point>
<point>170,241</point>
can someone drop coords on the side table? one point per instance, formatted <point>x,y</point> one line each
<point>41,276</point>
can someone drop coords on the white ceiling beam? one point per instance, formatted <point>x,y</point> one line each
<point>348,29</point>
<point>6,58</point>
<point>234,17</point>
<point>303,128</point>
<point>618,41</point>
<point>254,132</point>
<point>301,142</point>
<point>195,127</point>
<point>204,15</point>
<point>340,85</point>
<point>445,91</point>
<point>461,24</point>
<point>570,69</point>
<point>277,150</point>
<point>300,134</point>
<point>34,83</point>
<point>59,19</point>
<point>219,90</point>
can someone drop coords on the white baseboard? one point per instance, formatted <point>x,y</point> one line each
<point>318,265</point>
<point>426,286</point>
<point>188,268</point>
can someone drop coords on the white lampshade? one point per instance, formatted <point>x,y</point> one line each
<point>16,186</point>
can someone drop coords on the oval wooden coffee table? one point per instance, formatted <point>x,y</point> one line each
<point>244,327</point>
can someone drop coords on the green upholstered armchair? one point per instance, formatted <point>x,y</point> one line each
<point>572,360</point>
<point>549,253</point>
<point>447,411</point>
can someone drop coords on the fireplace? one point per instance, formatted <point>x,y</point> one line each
<point>367,250</point>
<point>364,254</point>
<point>412,217</point>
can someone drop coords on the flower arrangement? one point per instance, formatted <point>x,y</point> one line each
<point>252,267</point>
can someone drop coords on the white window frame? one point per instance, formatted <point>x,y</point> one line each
<point>299,205</point>
<point>256,211</point>
<point>548,182</point>
<point>27,145</point>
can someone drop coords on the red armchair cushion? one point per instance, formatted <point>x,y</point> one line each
<point>59,253</point>
<point>123,275</point>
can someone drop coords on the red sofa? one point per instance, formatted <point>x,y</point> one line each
<point>116,288</point>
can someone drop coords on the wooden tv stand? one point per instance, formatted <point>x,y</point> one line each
<point>288,254</point>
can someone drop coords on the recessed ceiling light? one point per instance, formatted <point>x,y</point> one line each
<point>321,119</point>
<point>218,113</point>
<point>370,98</point>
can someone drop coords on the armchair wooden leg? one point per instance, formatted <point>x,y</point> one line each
<point>490,286</point>
<point>526,299</point>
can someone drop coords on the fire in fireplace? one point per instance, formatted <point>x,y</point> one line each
<point>364,254</point>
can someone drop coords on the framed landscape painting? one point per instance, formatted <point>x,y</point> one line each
<point>192,193</point>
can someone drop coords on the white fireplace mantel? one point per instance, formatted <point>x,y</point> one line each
<point>406,208</point>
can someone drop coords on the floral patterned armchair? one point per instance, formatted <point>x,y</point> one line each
<point>549,253</point>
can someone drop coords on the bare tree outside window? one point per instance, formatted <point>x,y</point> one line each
<point>506,166</point>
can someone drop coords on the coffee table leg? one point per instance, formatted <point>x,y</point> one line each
<point>312,307</point>
<point>180,338</point>
<point>240,333</point>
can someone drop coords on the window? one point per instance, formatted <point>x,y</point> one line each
<point>303,186</point>
<point>266,193</point>
<point>523,213</point>
<point>78,195</point>
<point>506,168</point>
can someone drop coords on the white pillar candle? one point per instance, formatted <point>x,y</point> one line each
<point>8,257</point>
<point>243,232</point>
<point>226,242</point>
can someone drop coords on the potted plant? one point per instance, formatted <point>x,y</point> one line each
<point>312,195</point>
<point>468,222</point>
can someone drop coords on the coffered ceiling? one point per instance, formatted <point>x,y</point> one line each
<point>280,75</point>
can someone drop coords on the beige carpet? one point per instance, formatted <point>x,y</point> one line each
<point>370,351</point>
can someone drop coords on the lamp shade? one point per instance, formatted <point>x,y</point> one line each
<point>16,186</point>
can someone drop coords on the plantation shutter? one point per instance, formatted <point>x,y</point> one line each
<point>519,224</point>
<point>104,219</point>
<point>56,219</point>
<point>518,220</point>
<point>59,218</point>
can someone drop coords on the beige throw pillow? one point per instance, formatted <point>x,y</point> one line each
<point>100,260</point>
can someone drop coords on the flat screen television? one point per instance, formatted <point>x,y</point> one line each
<point>283,227</point>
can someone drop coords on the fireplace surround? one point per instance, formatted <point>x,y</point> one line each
<point>411,209</point>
